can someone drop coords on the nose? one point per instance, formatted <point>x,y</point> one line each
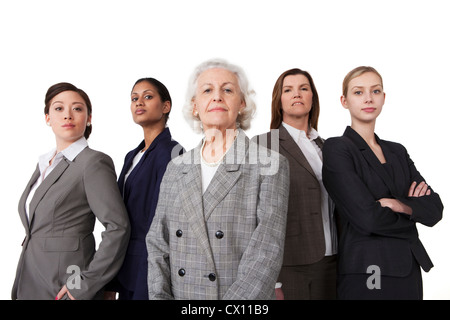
<point>297,93</point>
<point>139,101</point>
<point>368,97</point>
<point>68,115</point>
<point>217,95</point>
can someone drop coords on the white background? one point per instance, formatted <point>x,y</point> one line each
<point>103,47</point>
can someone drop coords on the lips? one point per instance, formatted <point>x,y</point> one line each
<point>370,110</point>
<point>68,125</point>
<point>217,109</point>
<point>297,103</point>
<point>139,111</point>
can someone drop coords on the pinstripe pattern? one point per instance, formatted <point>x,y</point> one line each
<point>245,201</point>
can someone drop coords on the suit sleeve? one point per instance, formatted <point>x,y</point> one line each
<point>261,262</point>
<point>353,197</point>
<point>426,210</point>
<point>107,205</point>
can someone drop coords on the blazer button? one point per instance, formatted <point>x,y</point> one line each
<point>181,272</point>
<point>179,233</point>
<point>219,234</point>
<point>212,276</point>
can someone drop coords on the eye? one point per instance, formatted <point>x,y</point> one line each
<point>58,108</point>
<point>358,92</point>
<point>286,90</point>
<point>207,90</point>
<point>305,89</point>
<point>78,109</point>
<point>377,91</point>
<point>148,97</point>
<point>134,99</point>
<point>227,90</point>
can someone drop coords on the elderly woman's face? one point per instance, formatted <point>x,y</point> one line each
<point>218,99</point>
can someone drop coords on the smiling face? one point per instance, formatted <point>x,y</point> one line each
<point>147,108</point>
<point>218,99</point>
<point>364,97</point>
<point>68,117</point>
<point>296,97</point>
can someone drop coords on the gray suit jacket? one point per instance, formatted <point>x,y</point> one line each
<point>227,243</point>
<point>59,247</point>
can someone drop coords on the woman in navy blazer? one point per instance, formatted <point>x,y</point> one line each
<point>380,196</point>
<point>140,179</point>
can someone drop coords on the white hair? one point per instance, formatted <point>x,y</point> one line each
<point>246,115</point>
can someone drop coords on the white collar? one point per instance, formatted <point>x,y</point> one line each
<point>296,133</point>
<point>69,153</point>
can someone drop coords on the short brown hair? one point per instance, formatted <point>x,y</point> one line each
<point>277,110</point>
<point>56,89</point>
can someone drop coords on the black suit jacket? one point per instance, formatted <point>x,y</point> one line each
<point>369,233</point>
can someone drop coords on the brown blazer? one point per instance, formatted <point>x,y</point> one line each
<point>305,242</point>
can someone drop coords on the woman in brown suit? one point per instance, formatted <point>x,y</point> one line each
<point>309,263</point>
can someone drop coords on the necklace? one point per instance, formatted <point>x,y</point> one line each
<point>218,162</point>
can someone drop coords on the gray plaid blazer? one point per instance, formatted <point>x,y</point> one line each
<point>228,242</point>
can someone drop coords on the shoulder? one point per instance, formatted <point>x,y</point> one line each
<point>93,158</point>
<point>335,143</point>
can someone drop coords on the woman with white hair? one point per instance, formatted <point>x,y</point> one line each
<point>219,227</point>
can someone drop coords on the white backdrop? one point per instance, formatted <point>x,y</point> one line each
<point>104,46</point>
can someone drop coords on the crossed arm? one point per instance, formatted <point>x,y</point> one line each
<point>415,190</point>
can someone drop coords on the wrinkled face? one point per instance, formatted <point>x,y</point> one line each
<point>146,105</point>
<point>365,97</point>
<point>218,99</point>
<point>296,96</point>
<point>68,117</point>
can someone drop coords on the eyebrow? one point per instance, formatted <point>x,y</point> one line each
<point>223,84</point>
<point>302,85</point>
<point>76,102</point>
<point>375,85</point>
<point>143,91</point>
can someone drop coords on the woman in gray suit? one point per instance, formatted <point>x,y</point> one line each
<point>219,227</point>
<point>71,187</point>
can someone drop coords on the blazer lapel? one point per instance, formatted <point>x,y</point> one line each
<point>371,158</point>
<point>45,185</point>
<point>23,198</point>
<point>293,149</point>
<point>192,199</point>
<point>227,174</point>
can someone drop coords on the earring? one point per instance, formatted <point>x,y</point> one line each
<point>48,123</point>
<point>195,113</point>
<point>88,124</point>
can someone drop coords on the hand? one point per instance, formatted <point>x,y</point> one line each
<point>418,190</point>
<point>395,205</point>
<point>62,292</point>
<point>109,295</point>
<point>279,295</point>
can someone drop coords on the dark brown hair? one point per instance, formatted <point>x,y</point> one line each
<point>277,110</point>
<point>56,89</point>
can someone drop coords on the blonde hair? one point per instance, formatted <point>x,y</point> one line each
<point>356,73</point>
<point>245,116</point>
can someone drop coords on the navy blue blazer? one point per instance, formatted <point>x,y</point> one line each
<point>369,233</point>
<point>140,194</point>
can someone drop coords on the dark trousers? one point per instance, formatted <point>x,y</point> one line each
<point>316,281</point>
<point>354,286</point>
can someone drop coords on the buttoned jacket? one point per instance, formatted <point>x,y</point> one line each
<point>228,242</point>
